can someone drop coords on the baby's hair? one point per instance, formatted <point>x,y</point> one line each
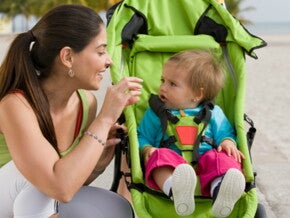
<point>206,71</point>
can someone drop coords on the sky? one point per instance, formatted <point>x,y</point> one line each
<point>267,10</point>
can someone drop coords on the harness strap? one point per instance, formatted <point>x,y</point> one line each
<point>203,116</point>
<point>166,143</point>
<point>208,140</point>
<point>164,115</point>
<point>162,112</point>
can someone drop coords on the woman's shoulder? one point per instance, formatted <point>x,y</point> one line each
<point>14,106</point>
<point>14,99</point>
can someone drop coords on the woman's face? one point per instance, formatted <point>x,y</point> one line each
<point>90,64</point>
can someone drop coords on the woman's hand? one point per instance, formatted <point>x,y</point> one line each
<point>109,150</point>
<point>118,96</point>
<point>231,150</point>
<point>107,154</point>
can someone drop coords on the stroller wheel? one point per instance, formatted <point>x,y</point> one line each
<point>261,212</point>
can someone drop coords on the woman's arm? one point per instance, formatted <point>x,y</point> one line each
<point>35,157</point>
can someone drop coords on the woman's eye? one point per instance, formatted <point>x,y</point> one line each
<point>101,53</point>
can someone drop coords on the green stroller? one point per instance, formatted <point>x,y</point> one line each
<point>142,35</point>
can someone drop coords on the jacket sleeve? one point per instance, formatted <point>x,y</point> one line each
<point>221,127</point>
<point>149,130</point>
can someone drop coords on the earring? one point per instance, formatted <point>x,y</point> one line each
<point>38,73</point>
<point>71,73</point>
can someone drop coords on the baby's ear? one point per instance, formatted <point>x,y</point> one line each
<point>200,93</point>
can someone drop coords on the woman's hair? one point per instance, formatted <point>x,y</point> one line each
<point>31,56</point>
<point>204,69</point>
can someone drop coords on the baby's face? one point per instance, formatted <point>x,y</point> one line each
<point>175,90</point>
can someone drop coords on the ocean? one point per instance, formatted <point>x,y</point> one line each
<point>20,24</point>
<point>279,28</point>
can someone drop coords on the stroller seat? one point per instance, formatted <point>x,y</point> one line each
<point>142,35</point>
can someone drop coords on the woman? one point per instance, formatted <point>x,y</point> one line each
<point>51,141</point>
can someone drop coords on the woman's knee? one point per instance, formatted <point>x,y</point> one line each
<point>96,202</point>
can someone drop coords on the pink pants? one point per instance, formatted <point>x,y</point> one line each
<point>211,165</point>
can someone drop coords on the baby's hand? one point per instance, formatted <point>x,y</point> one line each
<point>146,152</point>
<point>230,148</point>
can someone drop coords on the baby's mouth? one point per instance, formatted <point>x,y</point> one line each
<point>163,98</point>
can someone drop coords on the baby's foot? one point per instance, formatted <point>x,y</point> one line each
<point>183,187</point>
<point>228,193</point>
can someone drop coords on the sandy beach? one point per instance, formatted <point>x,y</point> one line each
<point>267,101</point>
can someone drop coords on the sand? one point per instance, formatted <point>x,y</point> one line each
<point>267,102</point>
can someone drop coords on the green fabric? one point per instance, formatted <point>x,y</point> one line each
<point>4,153</point>
<point>183,121</point>
<point>150,206</point>
<point>171,30</point>
<point>85,104</point>
<point>186,149</point>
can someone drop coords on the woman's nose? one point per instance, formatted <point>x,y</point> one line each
<point>109,62</point>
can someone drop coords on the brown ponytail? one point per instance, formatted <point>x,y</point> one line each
<point>32,54</point>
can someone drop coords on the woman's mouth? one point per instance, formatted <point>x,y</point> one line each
<point>101,75</point>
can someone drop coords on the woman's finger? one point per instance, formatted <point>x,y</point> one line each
<point>129,83</point>
<point>113,141</point>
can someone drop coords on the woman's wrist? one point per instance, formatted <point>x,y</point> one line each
<point>98,130</point>
<point>96,137</point>
<point>105,120</point>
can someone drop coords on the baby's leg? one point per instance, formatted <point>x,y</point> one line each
<point>183,188</point>
<point>228,192</point>
<point>161,162</point>
<point>169,172</point>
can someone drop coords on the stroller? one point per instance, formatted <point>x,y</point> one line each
<point>142,35</point>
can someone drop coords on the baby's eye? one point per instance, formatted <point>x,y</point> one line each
<point>162,80</point>
<point>172,84</point>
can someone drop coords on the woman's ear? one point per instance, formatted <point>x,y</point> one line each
<point>66,56</point>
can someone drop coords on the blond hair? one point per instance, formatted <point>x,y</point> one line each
<point>205,71</point>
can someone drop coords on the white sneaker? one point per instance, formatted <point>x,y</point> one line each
<point>183,188</point>
<point>231,189</point>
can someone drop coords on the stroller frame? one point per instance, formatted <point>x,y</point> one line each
<point>135,32</point>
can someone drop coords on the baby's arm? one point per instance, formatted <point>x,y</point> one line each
<point>149,134</point>
<point>146,152</point>
<point>225,135</point>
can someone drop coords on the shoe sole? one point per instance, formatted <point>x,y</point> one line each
<point>231,189</point>
<point>183,187</point>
